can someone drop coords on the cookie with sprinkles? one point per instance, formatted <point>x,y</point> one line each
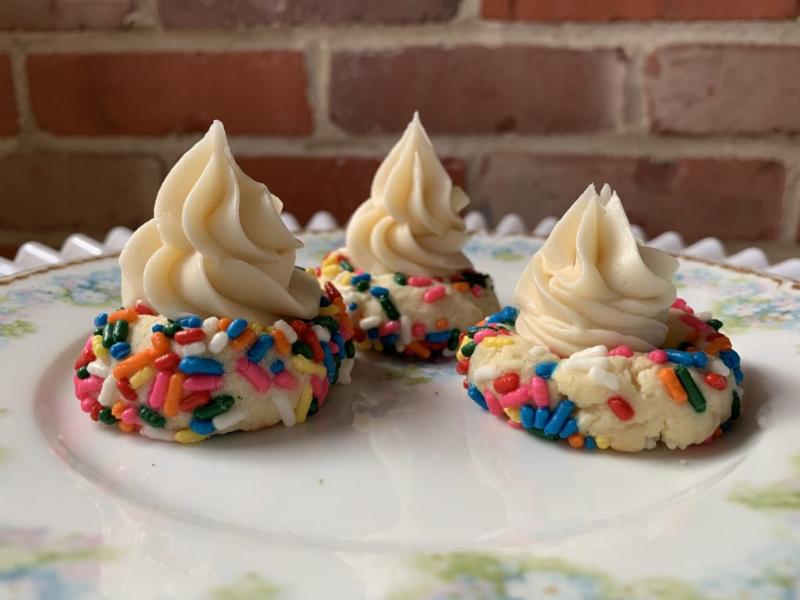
<point>407,284</point>
<point>599,352</point>
<point>219,331</point>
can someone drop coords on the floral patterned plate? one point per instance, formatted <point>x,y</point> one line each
<point>401,488</point>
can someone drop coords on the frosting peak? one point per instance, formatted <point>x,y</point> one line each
<point>593,283</point>
<point>216,245</point>
<point>411,222</point>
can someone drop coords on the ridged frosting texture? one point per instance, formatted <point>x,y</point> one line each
<point>411,222</point>
<point>593,283</point>
<point>216,245</point>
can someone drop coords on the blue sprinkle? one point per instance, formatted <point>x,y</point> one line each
<point>339,341</point>
<point>700,359</point>
<point>236,328</point>
<point>323,301</point>
<point>390,339</point>
<point>738,375</point>
<point>157,328</point>
<point>190,321</point>
<point>330,364</point>
<point>202,426</point>
<point>378,291</point>
<point>438,337</point>
<point>560,416</point>
<point>730,358</point>
<point>508,314</point>
<point>120,350</point>
<point>277,366</point>
<point>477,397</point>
<point>359,278</point>
<point>353,306</point>
<point>526,415</point>
<point>541,418</point>
<point>372,333</point>
<point>589,443</point>
<point>726,426</point>
<point>203,366</point>
<point>545,369</point>
<point>259,350</point>
<point>570,427</point>
<point>101,319</point>
<point>680,357</point>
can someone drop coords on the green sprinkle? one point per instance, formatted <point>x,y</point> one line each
<point>716,324</point>
<point>346,265</point>
<point>400,279</point>
<point>362,286</point>
<point>151,417</point>
<point>171,329</point>
<point>468,348</point>
<point>106,416</point>
<point>696,398</point>
<point>108,335</point>
<point>349,349</point>
<point>452,341</point>
<point>98,331</point>
<point>314,408</point>
<point>217,406</point>
<point>328,323</point>
<point>474,278</point>
<point>83,373</point>
<point>684,345</point>
<point>121,329</point>
<point>389,308</point>
<point>304,349</point>
<point>736,405</point>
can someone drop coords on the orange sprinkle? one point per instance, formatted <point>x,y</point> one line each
<point>717,433</point>
<point>693,336</point>
<point>173,396</point>
<point>418,349</point>
<point>670,381</point>
<point>130,365</point>
<point>223,323</point>
<point>160,343</point>
<point>126,427</point>
<point>281,342</point>
<point>461,286</point>
<point>441,324</point>
<point>245,340</point>
<point>720,343</point>
<point>576,440</point>
<point>127,314</point>
<point>118,409</point>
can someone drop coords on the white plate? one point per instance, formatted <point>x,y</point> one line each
<point>400,487</point>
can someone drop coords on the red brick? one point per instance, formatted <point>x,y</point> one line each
<point>8,105</point>
<point>64,14</point>
<point>337,185</point>
<point>227,14</point>
<point>78,193</point>
<point>164,93</point>
<point>637,10</point>
<point>729,199</point>
<point>723,89</point>
<point>472,89</point>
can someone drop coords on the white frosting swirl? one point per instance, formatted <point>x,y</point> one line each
<point>410,224</point>
<point>593,283</point>
<point>216,245</point>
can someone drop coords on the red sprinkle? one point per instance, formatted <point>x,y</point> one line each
<point>126,390</point>
<point>312,340</point>
<point>419,281</point>
<point>514,424</point>
<point>506,383</point>
<point>621,351</point>
<point>418,330</point>
<point>359,335</point>
<point>465,383</point>
<point>332,292</point>
<point>462,366</point>
<point>143,309</point>
<point>187,336</point>
<point>434,294</point>
<point>195,400</point>
<point>299,327</point>
<point>95,412</point>
<point>85,358</point>
<point>170,360</point>
<point>716,381</point>
<point>620,407</point>
<point>477,291</point>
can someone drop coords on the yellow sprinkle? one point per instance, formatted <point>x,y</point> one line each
<point>258,328</point>
<point>378,345</point>
<point>311,271</point>
<point>187,436</point>
<point>331,271</point>
<point>365,345</point>
<point>497,341</point>
<point>301,410</point>
<point>142,376</point>
<point>329,311</point>
<point>513,414</point>
<point>344,278</point>
<point>99,350</point>
<point>460,356</point>
<point>602,442</point>
<point>302,364</point>
<point>332,259</point>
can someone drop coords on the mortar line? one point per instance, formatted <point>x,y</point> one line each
<point>790,208</point>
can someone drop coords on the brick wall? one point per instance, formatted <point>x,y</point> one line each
<point>690,108</point>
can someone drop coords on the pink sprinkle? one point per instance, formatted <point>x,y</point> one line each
<point>696,323</point>
<point>87,403</point>
<point>334,347</point>
<point>434,294</point>
<point>201,383</point>
<point>492,402</point>
<point>159,390</point>
<point>514,424</point>
<point>658,356</point>
<point>515,398</point>
<point>679,303</point>
<point>286,380</point>
<point>88,344</point>
<point>482,334</point>
<point>257,376</point>
<point>129,416</point>
<point>477,291</point>
<point>90,385</point>
<point>621,351</point>
<point>388,328</point>
<point>419,281</point>
<point>418,330</point>
<point>319,388</point>
<point>540,392</point>
<point>143,309</point>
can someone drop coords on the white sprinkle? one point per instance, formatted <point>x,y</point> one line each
<point>593,351</point>
<point>718,367</point>
<point>486,372</point>
<point>211,326</point>
<point>650,443</point>
<point>369,322</point>
<point>98,368</point>
<point>157,433</point>
<point>405,329</point>
<point>284,406</point>
<point>447,352</point>
<point>585,364</point>
<point>346,370</point>
<point>193,349</point>
<point>229,418</point>
<point>703,315</point>
<point>218,342</point>
<point>400,347</point>
<point>108,392</point>
<point>604,378</point>
<point>323,335</point>
<point>538,351</point>
<point>287,330</point>
<point>351,298</point>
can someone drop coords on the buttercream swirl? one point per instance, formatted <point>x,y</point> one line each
<point>593,283</point>
<point>410,223</point>
<point>216,245</point>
